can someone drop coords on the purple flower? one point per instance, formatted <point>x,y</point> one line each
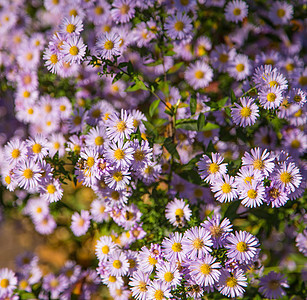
<point>80,223</point>
<point>271,285</point>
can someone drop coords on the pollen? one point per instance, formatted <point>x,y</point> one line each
<point>152,260</point>
<point>56,145</point>
<point>231,282</point>
<point>139,155</point>
<point>90,161</point>
<point>74,50</point>
<point>108,45</point>
<point>112,278</point>
<point>199,74</point>
<point>179,212</point>
<point>242,247</point>
<point>216,231</point>
<point>99,141</point>
<point>159,295</point>
<point>26,94</point>
<point>4,283</point>
<point>258,164</point>
<point>117,264</point>
<point>119,154</point>
<point>15,153</point>
<point>245,112</point>
<point>37,148</point>
<point>198,243</point>
<point>124,9</point>
<point>142,286</point>
<point>226,188</point>
<point>295,144</point>
<point>51,189</point>
<point>168,276</point>
<point>237,11</point>
<point>118,176</point>
<point>285,177</point>
<point>29,56</point>
<point>177,247</point>
<point>281,13</point>
<point>273,83</point>
<point>274,193</point>
<point>53,58</point>
<point>62,107</point>
<point>205,269</point>
<point>105,249</point>
<point>7,179</point>
<point>28,173</point>
<point>99,10</point>
<point>70,28</point>
<point>252,194</point>
<point>271,97</point>
<point>121,126</point>
<point>240,67</point>
<point>73,12</point>
<point>179,26</point>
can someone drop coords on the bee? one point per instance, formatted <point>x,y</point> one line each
<point>179,221</point>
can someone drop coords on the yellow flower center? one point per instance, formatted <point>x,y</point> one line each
<point>124,9</point>
<point>179,212</point>
<point>15,153</point>
<point>273,83</point>
<point>53,58</point>
<point>109,45</point>
<point>271,97</point>
<point>112,279</point>
<point>258,164</point>
<point>216,231</point>
<point>121,126</point>
<point>8,179</point>
<point>119,154</point>
<point>281,13</point>
<point>30,111</point>
<point>56,145</point>
<point>242,246</point>
<point>37,148</point>
<point>23,284</point>
<point>99,140</point>
<point>99,10</point>
<point>298,113</point>
<point>139,155</point>
<point>118,176</point>
<point>240,67</point>
<point>297,98</point>
<point>74,50</point>
<point>90,161</point>
<point>223,58</point>
<point>27,79</point>
<point>274,193</point>
<point>62,107</point>
<point>199,74</point>
<point>285,177</point>
<point>178,26</point>
<point>295,144</point>
<point>105,249</point>
<point>39,210</point>
<point>4,283</point>
<point>73,12</point>
<point>273,284</point>
<point>237,11</point>
<point>198,193</point>
<point>168,276</point>
<point>205,269</point>
<point>51,189</point>
<point>117,264</point>
<point>115,195</point>
<point>303,80</point>
<point>142,286</point>
<point>231,282</point>
<point>132,263</point>
<point>54,283</point>
<point>252,194</point>
<point>29,56</point>
<point>70,28</point>
<point>26,94</point>
<point>198,243</point>
<point>28,173</point>
<point>289,67</point>
<point>152,260</point>
<point>177,247</point>
<point>245,112</point>
<point>159,295</point>
<point>226,188</point>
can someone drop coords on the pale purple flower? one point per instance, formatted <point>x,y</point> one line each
<point>80,223</point>
<point>271,285</point>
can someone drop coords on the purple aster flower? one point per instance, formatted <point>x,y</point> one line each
<point>96,137</point>
<point>198,75</point>
<point>236,11</point>
<point>51,191</point>
<point>178,26</point>
<point>301,242</point>
<point>72,26</point>
<point>80,223</point>
<point>242,246</point>
<point>55,285</point>
<point>28,174</point>
<point>247,174</point>
<point>205,270</point>
<point>108,45</point>
<point>8,283</point>
<point>15,151</point>
<point>98,213</point>
<point>158,290</point>
<point>104,247</point>
<point>45,224</point>
<point>271,98</point>
<point>139,283</point>
<point>221,56</point>
<point>142,154</point>
<point>117,263</point>
<point>245,114</point>
<point>73,49</point>
<point>178,212</point>
<point>168,272</point>
<point>240,67</point>
<point>219,230</point>
<point>224,188</point>
<point>271,285</point>
<point>280,12</point>
<point>196,242</point>
<point>123,10</point>
<point>211,169</point>
<point>252,194</point>
<point>53,60</point>
<point>117,178</point>
<point>259,160</point>
<point>232,284</point>
<point>172,247</point>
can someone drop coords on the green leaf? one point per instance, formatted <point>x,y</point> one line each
<point>153,106</point>
<point>150,128</point>
<point>231,211</point>
<point>139,85</point>
<point>221,103</point>
<point>193,105</point>
<point>171,147</point>
<point>175,68</point>
<point>233,97</point>
<point>130,68</point>
<point>153,64</point>
<point>169,53</point>
<point>123,64</point>
<point>187,124</point>
<point>201,122</point>
<point>210,126</point>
